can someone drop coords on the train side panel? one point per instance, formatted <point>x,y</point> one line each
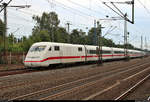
<point>107,53</point>
<point>73,53</point>
<point>118,53</point>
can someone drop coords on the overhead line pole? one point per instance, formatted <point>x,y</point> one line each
<point>121,14</point>
<point>95,34</point>
<point>141,42</point>
<point>100,43</point>
<point>68,28</point>
<point>125,37</point>
<point>5,31</point>
<point>5,5</point>
<point>132,12</point>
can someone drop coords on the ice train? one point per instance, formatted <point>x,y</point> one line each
<point>44,54</point>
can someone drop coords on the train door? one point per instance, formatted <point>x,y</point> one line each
<point>112,51</point>
<point>56,54</point>
<point>85,53</point>
<point>61,54</point>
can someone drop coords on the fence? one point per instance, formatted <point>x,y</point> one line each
<point>12,58</point>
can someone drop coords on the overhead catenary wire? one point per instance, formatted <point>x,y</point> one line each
<point>6,4</point>
<point>103,9</point>
<point>1,1</point>
<point>22,11</point>
<point>33,14</point>
<point>144,7</point>
<point>76,10</point>
<point>97,12</point>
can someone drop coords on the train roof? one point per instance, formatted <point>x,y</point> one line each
<point>53,43</point>
<point>89,46</point>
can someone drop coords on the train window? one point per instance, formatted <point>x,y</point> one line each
<point>118,52</point>
<point>56,48</point>
<point>37,48</point>
<point>106,52</point>
<point>50,49</point>
<point>79,48</point>
<point>92,51</point>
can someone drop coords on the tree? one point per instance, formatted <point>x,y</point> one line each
<point>82,37</point>
<point>1,35</point>
<point>105,42</point>
<point>75,37</point>
<point>62,35</point>
<point>42,36</point>
<point>1,28</point>
<point>47,22</point>
<point>91,36</point>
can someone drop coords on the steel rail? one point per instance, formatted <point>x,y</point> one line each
<point>115,85</point>
<point>126,93</point>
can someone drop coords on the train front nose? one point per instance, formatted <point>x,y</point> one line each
<point>34,56</point>
<point>32,61</point>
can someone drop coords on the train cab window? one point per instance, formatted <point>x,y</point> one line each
<point>56,48</point>
<point>38,48</point>
<point>80,49</point>
<point>50,49</point>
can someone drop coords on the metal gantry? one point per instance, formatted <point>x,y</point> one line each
<point>124,16</point>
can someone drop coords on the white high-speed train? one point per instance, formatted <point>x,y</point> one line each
<point>44,54</point>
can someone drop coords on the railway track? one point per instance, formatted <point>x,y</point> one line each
<point>63,90</point>
<point>126,93</point>
<point>65,94</point>
<point>15,71</point>
<point>5,82</point>
<point>25,70</point>
<point>15,85</point>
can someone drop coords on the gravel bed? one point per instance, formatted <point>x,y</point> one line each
<point>29,88</point>
<point>4,67</point>
<point>100,76</point>
<point>120,89</point>
<point>141,93</point>
<point>99,86</point>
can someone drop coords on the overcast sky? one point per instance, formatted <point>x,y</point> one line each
<point>81,14</point>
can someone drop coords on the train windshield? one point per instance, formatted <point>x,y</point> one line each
<point>37,48</point>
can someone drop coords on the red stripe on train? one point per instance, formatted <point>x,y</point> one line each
<point>70,57</point>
